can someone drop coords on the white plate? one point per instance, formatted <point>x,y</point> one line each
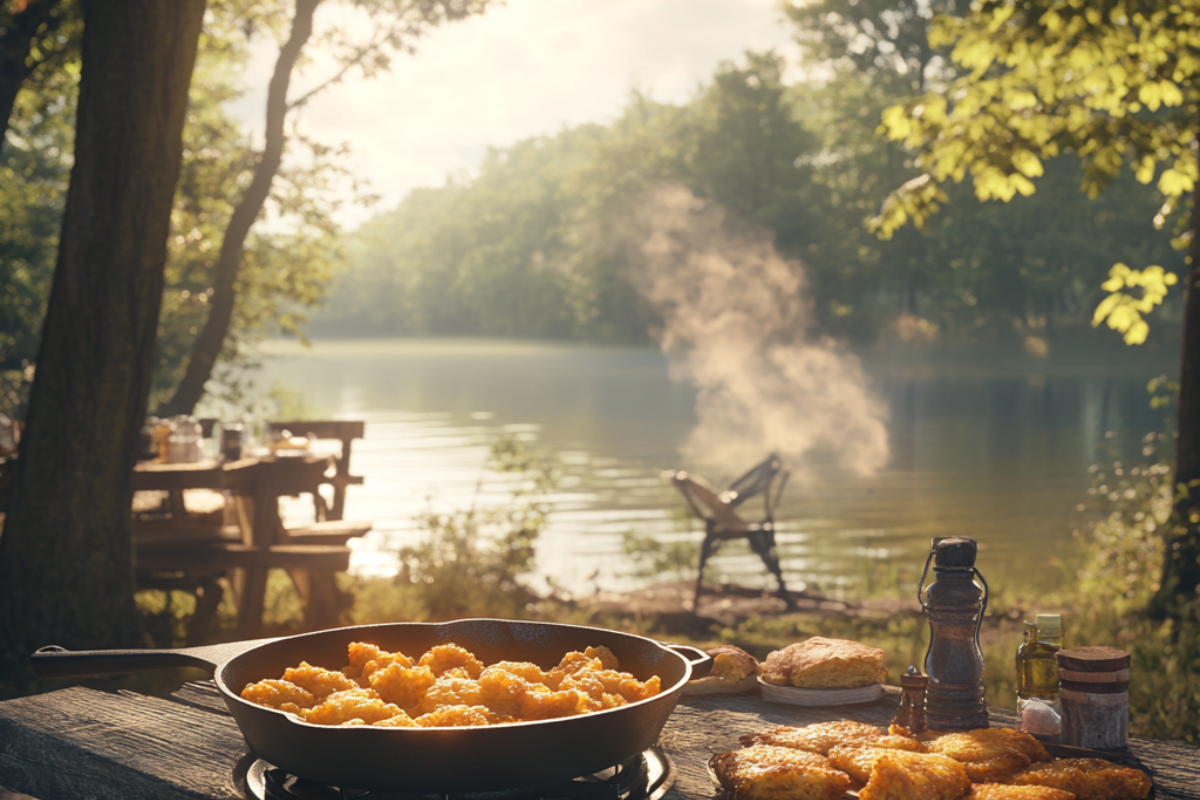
<point>798,696</point>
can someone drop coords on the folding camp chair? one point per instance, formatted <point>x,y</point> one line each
<point>722,522</point>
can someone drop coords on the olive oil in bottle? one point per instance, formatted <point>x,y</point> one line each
<point>1037,677</point>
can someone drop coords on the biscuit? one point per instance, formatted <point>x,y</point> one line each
<point>820,663</point>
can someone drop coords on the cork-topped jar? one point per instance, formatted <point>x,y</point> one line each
<point>1094,690</point>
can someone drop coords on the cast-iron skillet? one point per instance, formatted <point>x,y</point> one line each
<point>420,760</point>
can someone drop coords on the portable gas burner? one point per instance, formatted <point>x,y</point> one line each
<point>646,776</point>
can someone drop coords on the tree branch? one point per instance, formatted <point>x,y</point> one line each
<point>341,74</point>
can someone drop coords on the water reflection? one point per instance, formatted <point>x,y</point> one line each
<point>1000,457</point>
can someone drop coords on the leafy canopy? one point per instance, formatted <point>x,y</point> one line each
<point>1112,81</point>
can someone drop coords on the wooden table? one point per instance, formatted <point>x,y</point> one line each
<point>256,484</point>
<point>79,742</point>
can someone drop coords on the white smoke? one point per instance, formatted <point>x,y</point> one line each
<point>739,318</point>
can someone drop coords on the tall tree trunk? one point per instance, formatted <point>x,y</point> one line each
<point>66,563</point>
<point>1181,569</point>
<point>17,34</point>
<point>207,347</point>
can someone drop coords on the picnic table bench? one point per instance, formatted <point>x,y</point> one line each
<point>259,541</point>
<point>79,742</point>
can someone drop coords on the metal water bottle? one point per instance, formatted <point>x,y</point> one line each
<point>954,603</point>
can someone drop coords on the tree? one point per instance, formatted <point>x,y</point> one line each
<point>66,566</point>
<point>1118,83</point>
<point>394,23</point>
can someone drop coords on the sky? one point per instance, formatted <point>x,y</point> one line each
<point>526,68</point>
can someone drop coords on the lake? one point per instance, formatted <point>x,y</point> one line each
<point>984,447</point>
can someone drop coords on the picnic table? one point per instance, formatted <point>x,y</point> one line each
<point>79,742</point>
<point>258,543</point>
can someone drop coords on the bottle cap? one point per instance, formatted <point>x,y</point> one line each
<point>954,552</point>
<point>1049,625</point>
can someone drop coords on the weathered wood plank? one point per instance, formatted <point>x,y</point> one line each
<point>78,742</point>
<point>83,743</point>
<point>202,695</point>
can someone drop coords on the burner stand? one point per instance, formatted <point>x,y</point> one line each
<point>646,776</point>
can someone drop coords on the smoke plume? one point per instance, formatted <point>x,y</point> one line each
<point>738,320</point>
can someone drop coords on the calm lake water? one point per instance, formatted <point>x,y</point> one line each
<point>996,453</point>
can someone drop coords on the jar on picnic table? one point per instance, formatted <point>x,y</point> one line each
<point>1094,691</point>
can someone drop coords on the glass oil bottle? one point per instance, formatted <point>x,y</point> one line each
<point>1037,678</point>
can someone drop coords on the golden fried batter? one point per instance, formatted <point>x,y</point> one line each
<point>319,682</point>
<point>360,704</point>
<point>456,717</point>
<point>448,686</point>
<point>574,662</point>
<point>366,658</point>
<point>901,775</point>
<point>284,695</point>
<point>404,686</point>
<point>999,791</point>
<point>401,720</point>
<point>1088,779</point>
<point>818,738</point>
<point>530,672</point>
<point>606,657</point>
<point>445,657</point>
<point>450,692</point>
<point>763,772</point>
<point>990,754</point>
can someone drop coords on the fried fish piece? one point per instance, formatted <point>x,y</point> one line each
<point>902,775</point>
<point>450,692</point>
<point>367,658</point>
<point>511,695</point>
<point>764,772</point>
<point>1088,779</point>
<point>458,717</point>
<point>340,708</point>
<point>283,695</point>
<point>530,672</point>
<point>403,686</point>
<point>819,738</point>
<point>991,755</point>
<point>1002,791</point>
<point>319,681</point>
<point>445,657</point>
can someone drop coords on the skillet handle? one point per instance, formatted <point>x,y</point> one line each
<point>58,662</point>
<point>701,661</point>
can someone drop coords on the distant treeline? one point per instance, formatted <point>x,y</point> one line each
<point>521,248</point>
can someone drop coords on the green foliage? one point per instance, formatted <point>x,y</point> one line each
<point>1123,310</point>
<point>473,561</point>
<point>1125,546</point>
<point>287,269</point>
<point>35,163</point>
<point>1113,82</point>
<point>531,245</point>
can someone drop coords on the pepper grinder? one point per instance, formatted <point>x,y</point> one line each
<point>954,603</point>
<point>911,714</point>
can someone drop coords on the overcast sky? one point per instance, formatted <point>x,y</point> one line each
<point>529,67</point>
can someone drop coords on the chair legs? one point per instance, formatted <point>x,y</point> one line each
<point>763,543</point>
<point>711,545</point>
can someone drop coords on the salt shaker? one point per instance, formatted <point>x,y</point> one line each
<point>911,714</point>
